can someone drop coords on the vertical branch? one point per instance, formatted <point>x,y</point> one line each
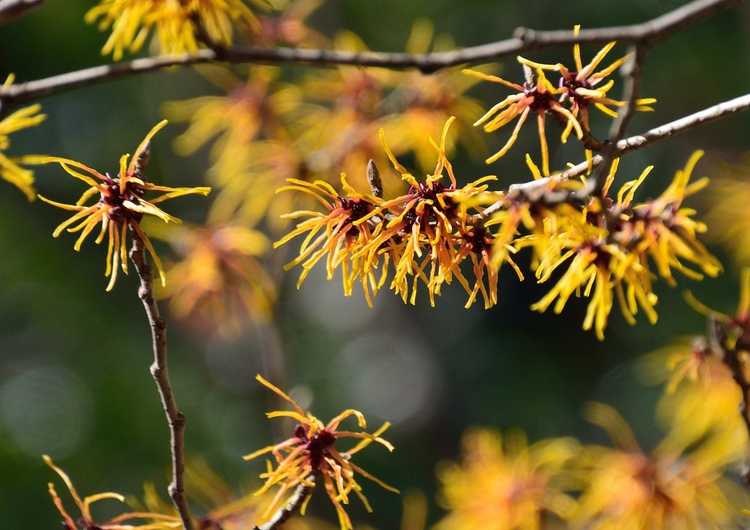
<point>631,71</point>
<point>160,372</point>
<point>730,352</point>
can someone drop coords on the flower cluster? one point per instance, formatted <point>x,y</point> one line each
<point>577,90</point>
<point>180,25</point>
<point>311,455</point>
<point>11,169</point>
<point>559,483</point>
<point>609,247</point>
<point>119,204</point>
<point>422,237</point>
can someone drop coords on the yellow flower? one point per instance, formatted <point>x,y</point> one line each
<point>235,118</point>
<point>536,95</point>
<point>119,205</point>
<point>729,216</point>
<point>338,236</point>
<point>425,234</point>
<point>177,23</point>
<point>427,227</point>
<point>611,257</point>
<point>218,282</point>
<point>247,188</point>
<point>670,488</point>
<point>86,521</point>
<point>10,168</point>
<point>504,484</point>
<point>311,455</point>
<point>584,86</point>
<point>701,397</point>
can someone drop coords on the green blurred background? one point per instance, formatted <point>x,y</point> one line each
<point>73,360</point>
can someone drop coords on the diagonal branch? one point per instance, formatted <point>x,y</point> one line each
<point>160,372</point>
<point>523,40</point>
<point>633,143</point>
<point>13,9</point>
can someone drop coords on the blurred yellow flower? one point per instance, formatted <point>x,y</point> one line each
<point>179,25</point>
<point>218,282</point>
<point>311,455</point>
<point>505,484</point>
<point>729,216</point>
<point>237,116</point>
<point>670,488</point>
<point>11,169</point>
<point>120,205</point>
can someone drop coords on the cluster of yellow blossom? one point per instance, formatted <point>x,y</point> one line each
<point>424,235</point>
<point>610,247</point>
<point>703,396</point>
<point>260,131</point>
<point>11,169</point>
<point>180,26</point>
<point>569,102</point>
<point>557,483</point>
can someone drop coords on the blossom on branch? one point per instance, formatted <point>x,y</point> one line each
<point>119,205</point>
<point>11,169</point>
<point>615,251</point>
<point>310,456</point>
<point>424,235</point>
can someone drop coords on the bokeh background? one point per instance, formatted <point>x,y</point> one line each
<point>73,360</point>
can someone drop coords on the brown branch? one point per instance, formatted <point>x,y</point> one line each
<point>523,40</point>
<point>633,143</point>
<point>13,9</point>
<point>631,71</point>
<point>160,372</point>
<point>730,352</point>
<point>286,511</point>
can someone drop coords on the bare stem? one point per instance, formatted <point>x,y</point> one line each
<point>523,40</point>
<point>160,371</point>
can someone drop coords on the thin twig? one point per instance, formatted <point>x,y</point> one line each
<point>524,40</point>
<point>633,143</point>
<point>160,371</point>
<point>631,71</point>
<point>13,9</point>
<point>295,501</point>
